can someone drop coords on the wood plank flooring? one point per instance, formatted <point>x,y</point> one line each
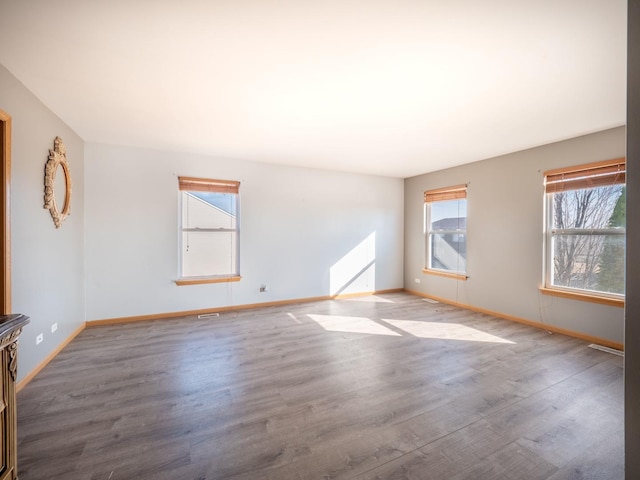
<point>386,387</point>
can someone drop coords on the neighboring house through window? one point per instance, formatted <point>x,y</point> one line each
<point>585,229</point>
<point>446,231</point>
<point>209,230</point>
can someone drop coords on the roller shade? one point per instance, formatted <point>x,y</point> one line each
<point>449,193</point>
<point>208,185</point>
<point>601,174</point>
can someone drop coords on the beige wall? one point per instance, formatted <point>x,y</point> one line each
<point>47,263</point>
<point>505,234</point>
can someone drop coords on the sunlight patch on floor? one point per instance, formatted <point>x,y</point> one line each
<point>369,298</point>
<point>444,331</point>
<point>337,323</point>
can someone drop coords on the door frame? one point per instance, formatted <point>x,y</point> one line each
<point>5,212</point>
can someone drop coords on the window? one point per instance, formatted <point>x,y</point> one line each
<point>209,230</point>
<point>585,229</point>
<point>446,231</point>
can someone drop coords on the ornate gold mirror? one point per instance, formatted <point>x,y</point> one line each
<point>57,183</point>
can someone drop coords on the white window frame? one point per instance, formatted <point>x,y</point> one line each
<point>606,173</point>
<point>192,184</point>
<point>458,192</point>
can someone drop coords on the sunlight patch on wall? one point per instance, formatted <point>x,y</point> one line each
<point>356,271</point>
<point>337,323</point>
<point>444,331</point>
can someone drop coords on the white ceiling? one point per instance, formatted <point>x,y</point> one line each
<point>387,87</point>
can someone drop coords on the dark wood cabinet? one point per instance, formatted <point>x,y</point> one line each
<point>10,329</point>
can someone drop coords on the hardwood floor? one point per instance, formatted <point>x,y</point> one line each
<point>388,387</point>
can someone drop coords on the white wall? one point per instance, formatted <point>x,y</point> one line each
<point>47,263</point>
<point>505,234</point>
<point>295,225</point>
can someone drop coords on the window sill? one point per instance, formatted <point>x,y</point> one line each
<point>586,297</point>
<point>202,280</point>
<point>457,276</point>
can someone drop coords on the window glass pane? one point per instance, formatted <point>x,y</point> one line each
<point>612,260</point>
<point>589,262</point>
<point>587,208</point>
<point>209,253</point>
<point>208,210</point>
<point>449,215</point>
<point>449,252</point>
<point>209,245</point>
<point>447,241</point>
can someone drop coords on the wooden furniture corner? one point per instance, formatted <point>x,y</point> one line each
<point>10,329</point>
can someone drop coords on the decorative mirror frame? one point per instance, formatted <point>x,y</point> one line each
<point>57,158</point>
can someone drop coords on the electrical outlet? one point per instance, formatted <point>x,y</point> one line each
<point>417,280</point>
<point>39,339</point>
<point>54,327</point>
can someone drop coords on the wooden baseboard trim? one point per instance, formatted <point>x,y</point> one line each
<point>544,326</point>
<point>228,308</point>
<point>364,294</point>
<point>21,384</point>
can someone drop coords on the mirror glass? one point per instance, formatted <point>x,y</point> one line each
<point>60,187</point>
